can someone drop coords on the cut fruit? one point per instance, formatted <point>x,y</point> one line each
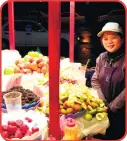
<point>105,114</point>
<point>99,116</point>
<point>93,112</point>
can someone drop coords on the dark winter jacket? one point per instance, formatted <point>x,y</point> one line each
<point>109,80</point>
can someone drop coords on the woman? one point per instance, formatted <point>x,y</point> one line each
<point>109,78</point>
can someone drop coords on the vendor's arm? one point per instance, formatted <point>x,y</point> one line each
<point>95,80</point>
<point>118,102</point>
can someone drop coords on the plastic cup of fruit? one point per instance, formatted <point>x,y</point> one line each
<point>13,101</point>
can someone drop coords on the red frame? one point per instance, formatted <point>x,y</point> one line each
<point>54,55</point>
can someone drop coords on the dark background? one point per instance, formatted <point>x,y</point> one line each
<point>91,10</point>
<point>83,8</point>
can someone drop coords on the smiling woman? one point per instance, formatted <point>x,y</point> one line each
<point>109,78</point>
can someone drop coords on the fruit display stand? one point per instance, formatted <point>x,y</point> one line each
<point>75,97</point>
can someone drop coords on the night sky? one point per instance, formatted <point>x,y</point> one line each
<point>91,10</point>
<point>88,9</point>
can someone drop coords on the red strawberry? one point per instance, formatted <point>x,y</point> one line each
<point>24,128</point>
<point>4,127</point>
<point>5,134</point>
<point>13,123</point>
<point>19,122</point>
<point>26,118</point>
<point>12,129</point>
<point>11,137</point>
<point>30,120</point>
<point>35,129</point>
<point>18,134</point>
<point>28,133</point>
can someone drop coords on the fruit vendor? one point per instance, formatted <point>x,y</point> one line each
<point>109,78</point>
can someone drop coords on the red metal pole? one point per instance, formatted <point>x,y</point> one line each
<point>11,24</point>
<point>54,26</point>
<point>0,34</point>
<point>72,26</point>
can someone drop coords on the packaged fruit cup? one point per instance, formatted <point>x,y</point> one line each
<point>70,130</point>
<point>13,101</point>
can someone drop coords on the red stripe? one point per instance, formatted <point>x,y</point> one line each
<point>54,28</point>
<point>11,24</point>
<point>72,25</point>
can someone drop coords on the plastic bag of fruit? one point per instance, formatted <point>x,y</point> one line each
<point>94,126</point>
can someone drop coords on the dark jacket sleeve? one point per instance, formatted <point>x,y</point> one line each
<point>118,102</point>
<point>95,80</point>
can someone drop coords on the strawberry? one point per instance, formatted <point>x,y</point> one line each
<point>28,133</point>
<point>11,137</point>
<point>12,129</point>
<point>30,120</point>
<point>18,134</point>
<point>5,134</point>
<point>19,122</point>
<point>24,128</point>
<point>4,127</point>
<point>35,129</point>
<point>13,123</point>
<point>26,118</point>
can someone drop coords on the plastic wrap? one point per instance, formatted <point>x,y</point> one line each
<point>94,126</point>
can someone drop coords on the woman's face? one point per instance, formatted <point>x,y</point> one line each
<point>111,41</point>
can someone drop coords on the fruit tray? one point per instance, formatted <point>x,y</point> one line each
<point>29,125</point>
<point>26,106</point>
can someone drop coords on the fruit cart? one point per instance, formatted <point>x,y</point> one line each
<point>54,62</point>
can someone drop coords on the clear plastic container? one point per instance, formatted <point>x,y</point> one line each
<point>13,101</point>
